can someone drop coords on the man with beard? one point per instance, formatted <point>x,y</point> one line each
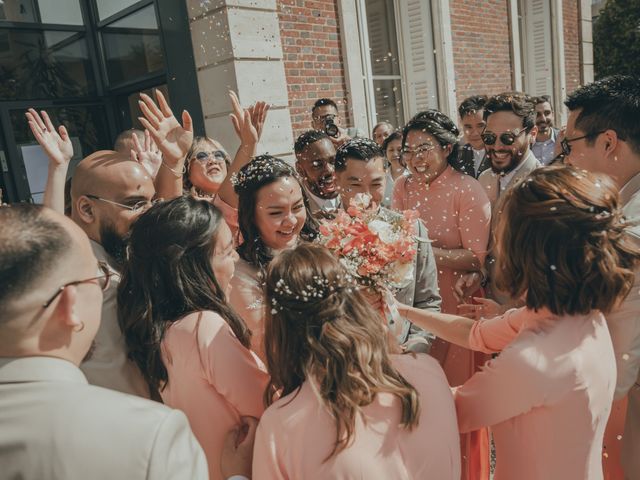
<point>510,130</point>
<point>544,146</point>
<point>315,158</point>
<point>55,425</point>
<point>108,192</point>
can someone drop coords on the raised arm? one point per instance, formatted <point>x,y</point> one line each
<point>147,154</point>
<point>57,145</point>
<point>248,124</point>
<point>173,139</point>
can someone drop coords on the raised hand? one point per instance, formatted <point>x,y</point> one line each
<point>56,143</point>
<point>248,123</point>
<point>173,139</point>
<point>148,155</point>
<point>466,286</point>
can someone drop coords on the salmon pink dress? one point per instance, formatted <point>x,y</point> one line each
<point>296,434</point>
<point>213,379</point>
<point>456,210</point>
<point>547,397</point>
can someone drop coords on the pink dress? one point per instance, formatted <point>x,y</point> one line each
<point>457,212</point>
<point>296,434</point>
<point>213,379</point>
<point>547,397</point>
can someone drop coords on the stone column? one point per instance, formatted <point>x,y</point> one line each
<point>237,46</point>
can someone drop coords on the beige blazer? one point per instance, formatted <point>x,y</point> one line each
<point>491,184</point>
<point>109,366</point>
<point>624,327</point>
<point>54,425</point>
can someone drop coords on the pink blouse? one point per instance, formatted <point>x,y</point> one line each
<point>296,434</point>
<point>213,379</point>
<point>547,397</point>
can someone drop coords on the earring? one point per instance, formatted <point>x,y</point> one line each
<point>75,329</point>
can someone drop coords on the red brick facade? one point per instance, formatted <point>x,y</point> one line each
<point>481,47</point>
<point>570,15</point>
<point>312,57</point>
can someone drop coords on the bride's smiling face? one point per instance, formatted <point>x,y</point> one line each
<point>280,213</point>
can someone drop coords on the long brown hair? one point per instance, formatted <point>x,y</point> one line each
<point>169,275</point>
<point>320,328</point>
<point>562,243</point>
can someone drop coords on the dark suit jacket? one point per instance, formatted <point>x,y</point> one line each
<point>464,162</point>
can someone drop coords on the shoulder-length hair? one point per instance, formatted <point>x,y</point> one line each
<point>260,172</point>
<point>561,242</point>
<point>169,275</point>
<point>319,328</point>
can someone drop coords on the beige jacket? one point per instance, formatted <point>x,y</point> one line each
<point>109,366</point>
<point>56,426</point>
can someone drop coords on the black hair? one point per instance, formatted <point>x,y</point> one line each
<point>169,275</point>
<point>363,149</point>
<point>518,103</point>
<point>542,99</point>
<point>31,247</point>
<point>308,138</point>
<point>396,135</point>
<point>437,124</point>
<point>611,103</point>
<point>472,104</point>
<point>260,172</point>
<point>322,102</point>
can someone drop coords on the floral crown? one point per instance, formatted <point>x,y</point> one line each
<point>264,166</point>
<point>320,289</point>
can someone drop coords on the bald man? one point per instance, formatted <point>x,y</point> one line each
<point>108,192</point>
<point>55,425</point>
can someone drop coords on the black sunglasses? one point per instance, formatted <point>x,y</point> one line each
<point>103,282</point>
<point>565,143</point>
<point>506,138</point>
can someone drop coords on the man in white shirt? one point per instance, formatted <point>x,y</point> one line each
<point>603,135</point>
<point>315,158</point>
<point>54,424</point>
<point>544,146</point>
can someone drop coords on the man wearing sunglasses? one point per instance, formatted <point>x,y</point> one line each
<point>603,136</point>
<point>54,424</point>
<point>509,132</point>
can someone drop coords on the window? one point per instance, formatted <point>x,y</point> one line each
<point>536,46</point>
<point>399,60</point>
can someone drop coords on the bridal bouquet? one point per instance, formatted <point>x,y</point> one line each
<point>377,250</point>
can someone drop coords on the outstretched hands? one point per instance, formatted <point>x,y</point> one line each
<point>248,123</point>
<point>173,139</point>
<point>56,143</point>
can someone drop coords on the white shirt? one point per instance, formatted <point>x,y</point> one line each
<point>478,156</point>
<point>506,178</point>
<point>325,204</point>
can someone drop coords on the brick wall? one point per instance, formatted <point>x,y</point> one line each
<point>481,47</point>
<point>571,44</point>
<point>312,57</point>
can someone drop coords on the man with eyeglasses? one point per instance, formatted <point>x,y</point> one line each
<point>603,136</point>
<point>54,424</point>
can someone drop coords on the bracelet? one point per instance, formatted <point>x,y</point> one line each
<point>175,173</point>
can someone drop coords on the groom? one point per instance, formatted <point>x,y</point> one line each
<point>362,169</point>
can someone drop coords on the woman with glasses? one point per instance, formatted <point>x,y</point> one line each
<point>206,167</point>
<point>191,347</point>
<point>457,213</point>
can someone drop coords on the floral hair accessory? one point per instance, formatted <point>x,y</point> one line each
<point>261,167</point>
<point>319,290</point>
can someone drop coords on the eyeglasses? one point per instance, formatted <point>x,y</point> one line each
<point>328,116</point>
<point>103,280</point>
<point>136,207</point>
<point>219,156</point>
<point>506,138</point>
<point>407,153</point>
<point>565,143</point>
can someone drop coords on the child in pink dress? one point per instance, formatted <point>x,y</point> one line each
<point>348,408</point>
<point>547,397</point>
<point>192,349</point>
<point>455,209</point>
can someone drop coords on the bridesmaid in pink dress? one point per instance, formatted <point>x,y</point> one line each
<point>349,409</point>
<point>548,396</point>
<point>192,349</point>
<point>455,209</point>
<point>273,215</point>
